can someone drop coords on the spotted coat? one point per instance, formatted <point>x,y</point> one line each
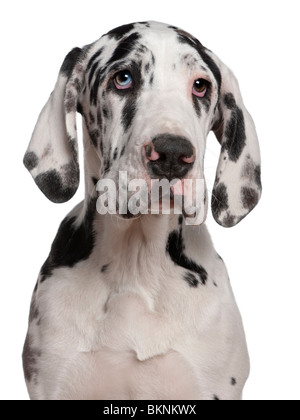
<point>139,307</point>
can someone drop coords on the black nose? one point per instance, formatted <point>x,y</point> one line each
<point>169,156</point>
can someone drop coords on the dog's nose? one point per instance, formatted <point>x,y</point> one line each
<point>169,156</point>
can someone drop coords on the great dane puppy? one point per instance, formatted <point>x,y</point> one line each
<point>134,305</point>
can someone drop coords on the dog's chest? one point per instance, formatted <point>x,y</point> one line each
<point>117,309</point>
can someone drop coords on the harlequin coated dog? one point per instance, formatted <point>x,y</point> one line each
<point>139,306</point>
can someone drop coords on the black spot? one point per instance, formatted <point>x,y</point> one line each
<point>196,106</point>
<point>229,220</point>
<point>94,180</point>
<point>249,197</point>
<point>147,24</point>
<point>191,279</point>
<point>36,287</point>
<point>119,32</point>
<point>72,243</point>
<point>34,311</point>
<point>229,101</point>
<point>219,201</point>
<point>180,220</point>
<point>30,357</point>
<point>115,154</point>
<point>92,118</point>
<point>94,58</point>
<point>125,47</point>
<point>52,185</point>
<point>69,62</point>
<point>257,176</point>
<point>173,27</point>
<point>94,136</point>
<point>128,113</point>
<point>30,160</point>
<point>92,72</point>
<point>216,398</point>
<point>235,135</point>
<point>104,268</point>
<point>147,68</point>
<point>175,248</point>
<point>233,381</point>
<point>70,102</point>
<point>122,151</point>
<point>105,112</point>
<point>100,76</point>
<point>151,79</point>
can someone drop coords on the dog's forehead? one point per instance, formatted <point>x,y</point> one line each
<point>144,38</point>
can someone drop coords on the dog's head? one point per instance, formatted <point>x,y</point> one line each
<point>149,94</point>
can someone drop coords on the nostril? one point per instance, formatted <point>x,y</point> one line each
<point>185,159</point>
<point>151,154</point>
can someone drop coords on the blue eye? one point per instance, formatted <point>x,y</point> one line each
<point>123,80</point>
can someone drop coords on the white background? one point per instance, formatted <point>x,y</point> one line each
<point>259,40</point>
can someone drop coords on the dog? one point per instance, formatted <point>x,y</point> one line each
<point>137,305</point>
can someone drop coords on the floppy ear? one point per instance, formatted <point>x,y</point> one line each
<point>51,156</point>
<point>237,187</point>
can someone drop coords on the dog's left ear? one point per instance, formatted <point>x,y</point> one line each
<point>52,157</point>
<point>237,187</point>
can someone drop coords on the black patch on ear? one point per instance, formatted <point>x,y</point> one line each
<point>72,243</point>
<point>70,102</point>
<point>30,160</point>
<point>257,176</point>
<point>125,47</point>
<point>235,134</point>
<point>229,220</point>
<point>119,32</point>
<point>229,101</point>
<point>219,201</point>
<point>175,248</point>
<point>30,356</point>
<point>52,185</point>
<point>249,197</point>
<point>69,62</point>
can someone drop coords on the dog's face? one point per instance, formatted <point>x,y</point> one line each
<point>149,94</point>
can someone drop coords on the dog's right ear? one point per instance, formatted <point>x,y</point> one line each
<point>52,156</point>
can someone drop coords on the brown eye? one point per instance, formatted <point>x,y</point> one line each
<point>200,87</point>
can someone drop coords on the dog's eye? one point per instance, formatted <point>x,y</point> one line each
<point>200,87</point>
<point>123,80</point>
